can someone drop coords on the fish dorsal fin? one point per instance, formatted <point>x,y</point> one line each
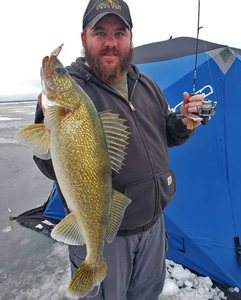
<point>118,206</point>
<point>116,137</point>
<point>68,231</point>
<point>37,138</point>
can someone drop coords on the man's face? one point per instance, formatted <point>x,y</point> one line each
<point>108,50</point>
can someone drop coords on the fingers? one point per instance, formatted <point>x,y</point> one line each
<point>192,103</point>
<point>40,102</point>
<point>185,98</point>
<point>196,123</point>
<point>190,106</point>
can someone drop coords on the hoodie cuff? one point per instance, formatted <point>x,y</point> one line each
<point>181,128</point>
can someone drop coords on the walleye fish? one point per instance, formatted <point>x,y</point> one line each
<point>84,146</point>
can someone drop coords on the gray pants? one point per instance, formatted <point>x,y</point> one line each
<point>136,266</point>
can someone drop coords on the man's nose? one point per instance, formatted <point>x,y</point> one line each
<point>110,41</point>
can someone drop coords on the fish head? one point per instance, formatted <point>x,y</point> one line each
<point>58,88</point>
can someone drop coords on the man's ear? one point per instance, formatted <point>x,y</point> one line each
<point>83,39</point>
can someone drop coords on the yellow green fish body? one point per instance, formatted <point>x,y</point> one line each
<point>84,146</point>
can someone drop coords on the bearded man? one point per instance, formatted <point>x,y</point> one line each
<point>136,258</point>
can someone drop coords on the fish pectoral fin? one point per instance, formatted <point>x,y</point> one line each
<point>52,116</point>
<point>116,136</point>
<point>118,206</point>
<point>68,231</point>
<point>37,138</point>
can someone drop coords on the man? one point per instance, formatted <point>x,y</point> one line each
<point>136,258</point>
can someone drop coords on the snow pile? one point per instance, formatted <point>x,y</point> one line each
<point>181,284</point>
<point>232,290</point>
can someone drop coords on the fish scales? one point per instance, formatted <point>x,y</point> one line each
<point>93,183</point>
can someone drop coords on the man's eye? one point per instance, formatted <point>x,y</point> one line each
<point>119,33</point>
<point>100,33</point>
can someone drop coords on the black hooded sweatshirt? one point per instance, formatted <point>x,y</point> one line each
<point>146,177</point>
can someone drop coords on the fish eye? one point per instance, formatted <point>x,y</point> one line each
<point>60,70</point>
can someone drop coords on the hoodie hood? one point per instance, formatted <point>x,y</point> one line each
<point>80,70</point>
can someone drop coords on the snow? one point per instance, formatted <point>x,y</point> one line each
<point>48,223</point>
<point>232,290</point>
<point>8,140</point>
<point>39,226</point>
<point>3,118</point>
<point>182,284</point>
<point>7,229</point>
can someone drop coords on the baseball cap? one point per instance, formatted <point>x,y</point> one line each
<point>98,9</point>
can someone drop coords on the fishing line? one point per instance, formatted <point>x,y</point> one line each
<point>209,68</point>
<point>195,69</point>
<point>90,294</point>
<point>205,46</point>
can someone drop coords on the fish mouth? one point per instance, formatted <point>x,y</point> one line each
<point>45,68</point>
<point>49,64</point>
<point>46,72</point>
<point>45,60</point>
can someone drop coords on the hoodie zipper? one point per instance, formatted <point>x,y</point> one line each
<point>129,101</point>
<point>143,140</point>
<point>136,121</point>
<point>149,156</point>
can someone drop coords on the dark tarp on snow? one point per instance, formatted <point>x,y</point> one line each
<point>203,219</point>
<point>43,218</point>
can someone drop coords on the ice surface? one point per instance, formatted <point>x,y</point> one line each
<point>52,277</point>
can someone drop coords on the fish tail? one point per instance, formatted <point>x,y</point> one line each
<point>86,278</point>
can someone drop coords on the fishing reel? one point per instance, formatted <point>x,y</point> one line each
<point>204,112</point>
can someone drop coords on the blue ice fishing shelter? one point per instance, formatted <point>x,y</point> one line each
<point>54,208</point>
<point>203,220</point>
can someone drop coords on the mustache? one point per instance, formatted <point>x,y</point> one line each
<point>112,51</point>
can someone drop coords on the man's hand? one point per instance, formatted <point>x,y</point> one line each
<point>40,102</point>
<point>189,107</point>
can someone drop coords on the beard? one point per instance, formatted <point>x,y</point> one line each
<point>104,73</point>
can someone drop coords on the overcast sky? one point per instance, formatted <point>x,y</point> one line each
<point>31,30</point>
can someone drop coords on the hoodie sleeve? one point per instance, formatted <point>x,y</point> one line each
<point>45,166</point>
<point>177,132</point>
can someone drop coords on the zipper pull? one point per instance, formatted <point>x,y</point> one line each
<point>131,106</point>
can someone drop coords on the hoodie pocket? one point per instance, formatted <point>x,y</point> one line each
<point>167,187</point>
<point>141,211</point>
